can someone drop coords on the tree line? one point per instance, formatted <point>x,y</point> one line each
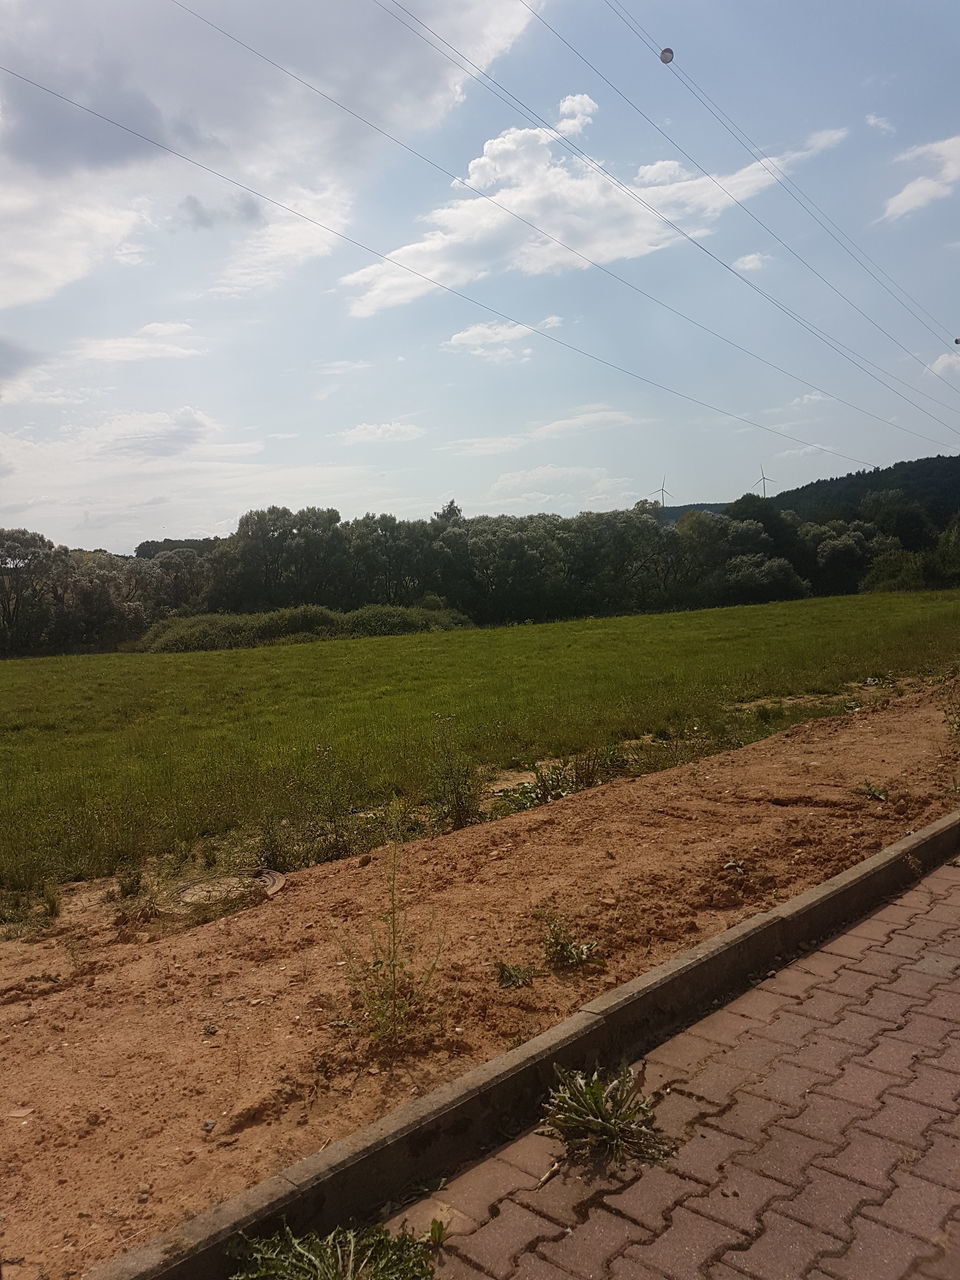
<point>493,569</point>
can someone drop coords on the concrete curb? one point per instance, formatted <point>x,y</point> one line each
<point>429,1138</point>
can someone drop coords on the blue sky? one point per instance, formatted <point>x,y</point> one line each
<point>174,351</point>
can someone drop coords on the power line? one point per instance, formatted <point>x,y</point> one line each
<point>505,95</point>
<point>793,189</point>
<point>420,275</point>
<point>749,212</point>
<point>547,235</point>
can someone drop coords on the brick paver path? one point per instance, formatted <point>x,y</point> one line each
<point>818,1127</point>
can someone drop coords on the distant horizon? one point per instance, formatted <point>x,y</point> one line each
<point>431,508</point>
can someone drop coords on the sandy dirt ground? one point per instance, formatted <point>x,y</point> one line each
<point>143,1081</point>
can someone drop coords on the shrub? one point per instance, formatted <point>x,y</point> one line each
<point>299,625</point>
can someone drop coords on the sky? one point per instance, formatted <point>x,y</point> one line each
<point>185,337</point>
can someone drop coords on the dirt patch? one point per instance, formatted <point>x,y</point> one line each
<point>147,1080</point>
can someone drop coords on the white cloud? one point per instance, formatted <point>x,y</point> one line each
<point>43,386</point>
<point>138,475</point>
<point>382,433</point>
<point>76,194</point>
<point>945,160</point>
<point>124,349</point>
<point>661,173</point>
<point>63,380</point>
<point>158,435</point>
<point>272,253</point>
<point>806,451</point>
<point>53,233</point>
<point>497,340</point>
<point>808,397</point>
<point>283,435</point>
<point>563,487</point>
<point>486,446</point>
<point>174,329</point>
<point>470,238</point>
<point>590,419</point>
<point>492,342</point>
<point>751,262</point>
<point>947,363</point>
<point>336,368</point>
<point>879,122</point>
<point>575,113</point>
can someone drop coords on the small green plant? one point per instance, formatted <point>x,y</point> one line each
<point>129,881</point>
<point>561,950</point>
<point>550,782</point>
<point>15,908</point>
<point>515,975</point>
<point>599,1114</point>
<point>332,788</point>
<point>371,1253</point>
<point>437,1236</point>
<point>871,791</point>
<point>50,896</point>
<point>455,788</point>
<point>591,768</point>
<point>387,989</point>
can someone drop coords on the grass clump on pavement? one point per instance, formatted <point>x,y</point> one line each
<point>370,1253</point>
<point>602,1115</point>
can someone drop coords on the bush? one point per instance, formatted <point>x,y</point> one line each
<point>299,625</point>
<point>755,579</point>
<point>895,571</point>
<point>394,620</point>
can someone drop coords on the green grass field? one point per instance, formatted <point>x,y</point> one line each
<point>114,758</point>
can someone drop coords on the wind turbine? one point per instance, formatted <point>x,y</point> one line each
<point>764,480</point>
<point>663,491</point>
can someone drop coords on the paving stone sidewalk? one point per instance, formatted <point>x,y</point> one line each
<point>818,1127</point>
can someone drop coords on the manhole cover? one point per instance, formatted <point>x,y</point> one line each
<point>238,885</point>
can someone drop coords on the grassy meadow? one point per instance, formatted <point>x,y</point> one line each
<point>108,759</point>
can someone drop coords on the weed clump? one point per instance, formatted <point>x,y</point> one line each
<point>563,778</point>
<point>515,975</point>
<point>17,913</point>
<point>871,791</point>
<point>371,1253</point>
<point>389,991</point>
<point>129,881</point>
<point>50,896</point>
<point>562,951</point>
<point>599,1115</point>
<point>454,786</point>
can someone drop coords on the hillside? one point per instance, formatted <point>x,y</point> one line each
<point>933,482</point>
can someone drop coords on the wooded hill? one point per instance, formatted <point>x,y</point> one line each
<point>932,482</point>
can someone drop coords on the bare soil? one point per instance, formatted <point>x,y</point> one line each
<point>144,1080</point>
